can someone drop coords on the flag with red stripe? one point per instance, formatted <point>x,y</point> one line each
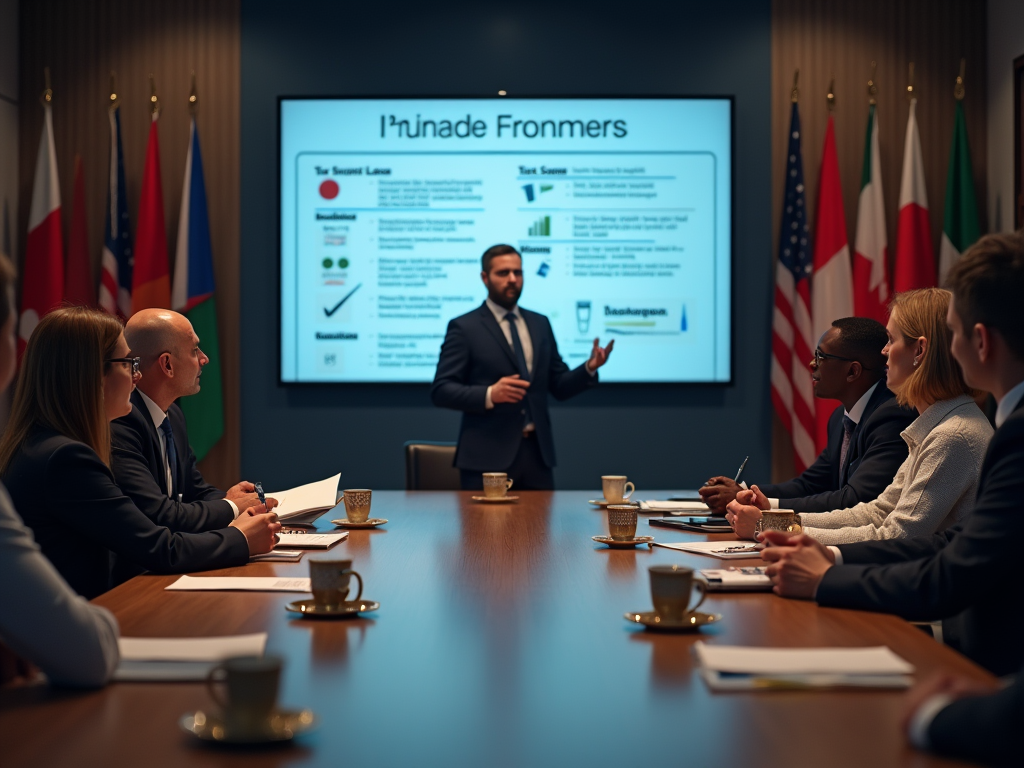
<point>116,270</point>
<point>151,277</point>
<point>915,257</point>
<point>871,250</point>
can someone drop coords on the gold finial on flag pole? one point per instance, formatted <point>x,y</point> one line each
<point>830,97</point>
<point>910,85</point>
<point>795,93</point>
<point>113,90</point>
<point>958,89</point>
<point>872,88</point>
<point>47,95</point>
<point>154,102</point>
<point>193,99</point>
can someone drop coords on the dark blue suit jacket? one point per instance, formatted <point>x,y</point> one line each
<point>968,575</point>
<point>875,454</point>
<point>474,356</point>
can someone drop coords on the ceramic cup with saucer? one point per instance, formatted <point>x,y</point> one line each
<point>671,591</point>
<point>779,520</point>
<point>496,485</point>
<point>357,504</point>
<point>329,581</point>
<point>250,685</point>
<point>633,541</point>
<point>622,521</point>
<point>614,488</point>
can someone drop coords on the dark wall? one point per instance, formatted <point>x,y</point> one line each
<point>660,435</point>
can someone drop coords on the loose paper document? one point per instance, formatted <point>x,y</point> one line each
<point>730,667</point>
<point>737,579</point>
<point>676,507</point>
<point>244,583</point>
<point>311,540</point>
<point>305,500</point>
<point>278,556</point>
<point>723,550</point>
<point>181,658</point>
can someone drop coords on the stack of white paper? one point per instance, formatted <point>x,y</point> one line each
<point>737,579</point>
<point>311,540</point>
<point>723,550</point>
<point>278,556</point>
<point>739,668</point>
<point>176,658</point>
<point>239,583</point>
<point>305,503</point>
<point>676,507</point>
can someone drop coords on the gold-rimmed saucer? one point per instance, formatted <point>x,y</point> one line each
<point>602,503</point>
<point>371,522</point>
<point>693,620</point>
<point>496,499</point>
<point>282,725</point>
<point>636,541</point>
<point>342,610</point>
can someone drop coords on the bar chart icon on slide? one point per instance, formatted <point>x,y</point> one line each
<point>541,227</point>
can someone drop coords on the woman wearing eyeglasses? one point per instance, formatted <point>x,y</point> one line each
<point>935,486</point>
<point>77,376</point>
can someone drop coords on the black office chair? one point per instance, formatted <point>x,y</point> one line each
<point>428,466</point>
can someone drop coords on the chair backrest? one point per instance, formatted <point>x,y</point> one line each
<point>429,466</point>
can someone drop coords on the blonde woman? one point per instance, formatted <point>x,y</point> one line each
<point>936,485</point>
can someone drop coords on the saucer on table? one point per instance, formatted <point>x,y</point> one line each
<point>283,725</point>
<point>371,522</point>
<point>604,502</point>
<point>342,610</point>
<point>693,620</point>
<point>626,544</point>
<point>495,499</point>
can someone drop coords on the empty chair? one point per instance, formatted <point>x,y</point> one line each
<point>428,466</point>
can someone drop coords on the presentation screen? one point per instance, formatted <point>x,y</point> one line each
<point>620,207</point>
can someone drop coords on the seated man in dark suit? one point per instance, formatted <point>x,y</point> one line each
<point>497,365</point>
<point>968,575</point>
<point>152,460</point>
<point>864,449</point>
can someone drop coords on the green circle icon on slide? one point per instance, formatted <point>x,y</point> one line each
<point>328,263</point>
<point>343,263</point>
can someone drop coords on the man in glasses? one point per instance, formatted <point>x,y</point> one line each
<point>152,461</point>
<point>864,449</point>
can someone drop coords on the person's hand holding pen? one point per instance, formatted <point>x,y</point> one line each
<point>244,496</point>
<point>720,490</point>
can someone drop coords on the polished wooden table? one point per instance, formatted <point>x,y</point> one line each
<point>500,641</point>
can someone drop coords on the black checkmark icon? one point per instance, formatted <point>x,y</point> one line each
<point>337,306</point>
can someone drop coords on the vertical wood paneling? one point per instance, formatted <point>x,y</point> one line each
<point>832,37</point>
<point>82,42</point>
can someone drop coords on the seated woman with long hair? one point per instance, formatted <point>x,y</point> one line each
<point>936,485</point>
<point>77,375</point>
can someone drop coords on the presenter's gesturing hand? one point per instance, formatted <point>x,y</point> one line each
<point>599,355</point>
<point>509,389</point>
<point>260,528</point>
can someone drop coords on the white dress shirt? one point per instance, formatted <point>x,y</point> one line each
<point>1008,403</point>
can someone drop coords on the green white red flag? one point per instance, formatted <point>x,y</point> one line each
<point>871,250</point>
<point>960,226</point>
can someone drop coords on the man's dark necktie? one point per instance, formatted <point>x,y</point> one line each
<point>172,456</point>
<point>848,426</point>
<point>524,372</point>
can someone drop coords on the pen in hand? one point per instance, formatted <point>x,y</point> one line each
<point>739,472</point>
<point>262,496</point>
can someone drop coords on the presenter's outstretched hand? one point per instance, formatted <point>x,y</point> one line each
<point>244,496</point>
<point>797,563</point>
<point>509,389</point>
<point>599,355</point>
<point>260,528</point>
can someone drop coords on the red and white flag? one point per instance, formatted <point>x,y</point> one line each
<point>832,284</point>
<point>871,249</point>
<point>915,257</point>
<point>42,286</point>
<point>151,277</point>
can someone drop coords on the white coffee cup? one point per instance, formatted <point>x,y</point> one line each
<point>614,487</point>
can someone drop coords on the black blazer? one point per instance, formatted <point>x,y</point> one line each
<point>982,729</point>
<point>968,575</point>
<point>875,454</point>
<point>474,356</point>
<point>79,516</point>
<point>139,471</point>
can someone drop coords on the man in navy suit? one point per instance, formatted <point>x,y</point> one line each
<point>497,365</point>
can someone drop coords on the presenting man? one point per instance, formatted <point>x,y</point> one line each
<point>152,461</point>
<point>498,363</point>
<point>864,449</point>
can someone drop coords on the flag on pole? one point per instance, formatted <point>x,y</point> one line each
<point>960,227</point>
<point>792,347</point>
<point>151,280</point>
<point>79,286</point>
<point>193,296</point>
<point>116,273</point>
<point>832,295</point>
<point>871,257</point>
<point>915,257</point>
<point>42,285</point>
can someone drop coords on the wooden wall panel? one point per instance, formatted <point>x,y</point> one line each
<point>835,37</point>
<point>82,42</point>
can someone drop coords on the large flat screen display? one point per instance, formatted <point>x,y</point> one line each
<point>620,207</point>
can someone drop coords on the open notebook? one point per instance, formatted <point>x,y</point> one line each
<point>305,503</point>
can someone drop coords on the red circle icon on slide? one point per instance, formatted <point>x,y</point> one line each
<point>329,189</point>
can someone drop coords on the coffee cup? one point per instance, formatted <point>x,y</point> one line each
<point>622,521</point>
<point>249,692</point>
<point>614,488</point>
<point>496,485</point>
<point>671,591</point>
<point>329,582</point>
<point>779,520</point>
<point>357,505</point>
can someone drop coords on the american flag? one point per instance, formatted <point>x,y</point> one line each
<point>792,346</point>
<point>116,272</point>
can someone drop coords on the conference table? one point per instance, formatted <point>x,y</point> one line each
<point>499,641</point>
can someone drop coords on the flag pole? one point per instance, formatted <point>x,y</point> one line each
<point>795,93</point>
<point>958,89</point>
<point>830,97</point>
<point>154,102</point>
<point>910,85</point>
<point>113,91</point>
<point>47,95</point>
<point>193,98</point>
<point>872,88</point>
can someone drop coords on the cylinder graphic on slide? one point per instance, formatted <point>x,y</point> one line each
<point>583,316</point>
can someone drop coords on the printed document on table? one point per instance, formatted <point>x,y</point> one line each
<point>676,507</point>
<point>311,540</point>
<point>297,502</point>
<point>181,658</point>
<point>723,550</point>
<point>236,583</point>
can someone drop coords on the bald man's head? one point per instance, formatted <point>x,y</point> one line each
<point>172,361</point>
